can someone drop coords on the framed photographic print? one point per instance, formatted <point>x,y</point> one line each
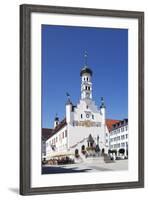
<point>81,99</point>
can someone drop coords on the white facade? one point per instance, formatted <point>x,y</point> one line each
<point>118,137</point>
<point>87,119</point>
<point>58,142</point>
<point>83,121</point>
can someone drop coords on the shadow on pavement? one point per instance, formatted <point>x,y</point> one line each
<point>56,170</point>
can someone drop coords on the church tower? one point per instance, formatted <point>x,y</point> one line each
<point>56,120</point>
<point>86,84</point>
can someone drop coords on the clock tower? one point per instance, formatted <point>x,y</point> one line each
<point>86,84</point>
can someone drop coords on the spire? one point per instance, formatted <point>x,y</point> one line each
<point>56,120</point>
<point>102,103</point>
<point>85,58</point>
<point>85,69</point>
<point>68,99</point>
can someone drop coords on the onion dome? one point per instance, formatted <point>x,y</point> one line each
<point>56,118</point>
<point>85,69</point>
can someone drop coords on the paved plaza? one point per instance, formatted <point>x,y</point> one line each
<point>92,166</point>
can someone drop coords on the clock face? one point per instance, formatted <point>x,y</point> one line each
<point>87,115</point>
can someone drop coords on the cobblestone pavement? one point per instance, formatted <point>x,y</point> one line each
<point>92,166</point>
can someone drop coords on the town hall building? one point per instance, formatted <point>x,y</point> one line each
<point>84,126</point>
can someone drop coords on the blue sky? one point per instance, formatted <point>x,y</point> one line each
<point>63,57</point>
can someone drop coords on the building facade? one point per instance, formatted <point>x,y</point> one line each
<point>118,137</point>
<point>84,126</point>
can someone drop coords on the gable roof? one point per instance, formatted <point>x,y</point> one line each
<point>110,122</point>
<point>48,132</point>
<point>59,126</point>
<point>120,124</point>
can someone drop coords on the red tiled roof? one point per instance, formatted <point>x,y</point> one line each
<point>110,122</point>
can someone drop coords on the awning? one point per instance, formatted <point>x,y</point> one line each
<point>59,154</point>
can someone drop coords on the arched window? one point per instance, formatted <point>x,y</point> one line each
<point>83,147</point>
<point>76,153</point>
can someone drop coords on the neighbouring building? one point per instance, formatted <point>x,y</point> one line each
<point>118,137</point>
<point>109,124</point>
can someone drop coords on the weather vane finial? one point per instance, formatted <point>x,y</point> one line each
<point>68,95</point>
<point>85,57</point>
<point>102,103</point>
<point>68,98</point>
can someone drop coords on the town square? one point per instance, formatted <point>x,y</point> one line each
<point>84,137</point>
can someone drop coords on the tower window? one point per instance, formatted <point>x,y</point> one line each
<point>81,116</point>
<point>86,87</point>
<point>84,78</point>
<point>87,78</point>
<point>92,116</point>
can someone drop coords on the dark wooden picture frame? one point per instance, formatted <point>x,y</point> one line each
<point>25,98</point>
